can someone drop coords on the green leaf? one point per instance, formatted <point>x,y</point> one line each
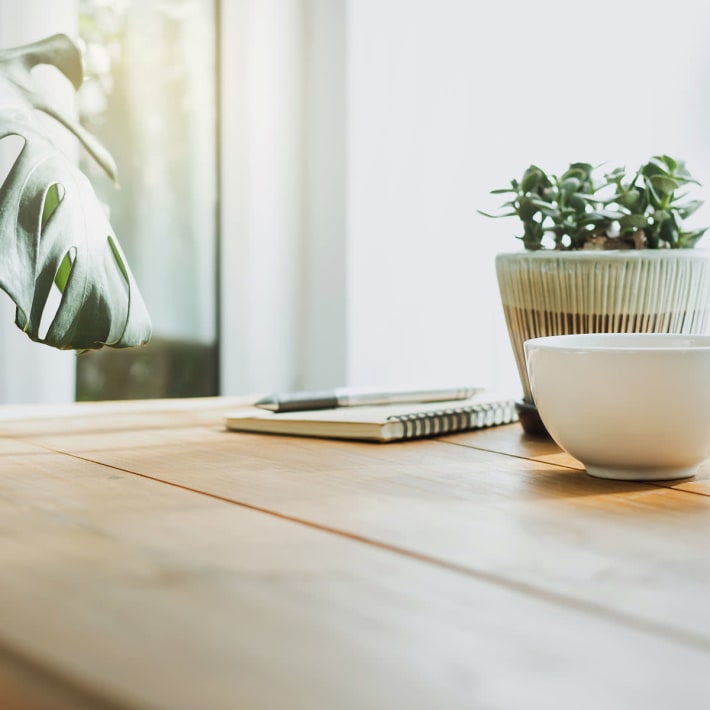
<point>568,209</point>
<point>545,207</point>
<point>686,240</point>
<point>660,216</point>
<point>603,216</point>
<point>577,203</point>
<point>669,162</point>
<point>580,171</point>
<point>533,178</point>
<point>664,184</point>
<point>589,199</point>
<point>669,232</point>
<point>683,174</point>
<point>655,166</point>
<point>570,186</point>
<point>689,208</point>
<point>527,209</point>
<point>631,199</point>
<point>497,216</point>
<point>633,222</point>
<point>616,175</point>
<point>52,227</point>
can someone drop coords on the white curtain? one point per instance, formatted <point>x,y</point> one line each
<point>283,281</point>
<point>30,372</point>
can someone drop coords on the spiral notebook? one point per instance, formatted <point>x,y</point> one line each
<point>383,423</point>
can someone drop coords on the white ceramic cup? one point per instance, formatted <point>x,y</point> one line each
<point>630,406</point>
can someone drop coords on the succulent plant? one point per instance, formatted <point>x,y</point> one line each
<point>585,208</point>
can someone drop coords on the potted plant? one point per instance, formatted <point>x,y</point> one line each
<point>54,234</point>
<point>604,251</point>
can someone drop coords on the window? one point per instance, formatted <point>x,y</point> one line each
<point>150,96</point>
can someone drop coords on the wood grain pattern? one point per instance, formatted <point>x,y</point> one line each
<point>153,560</point>
<point>625,549</point>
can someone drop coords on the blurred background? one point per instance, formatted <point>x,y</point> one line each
<point>300,179</point>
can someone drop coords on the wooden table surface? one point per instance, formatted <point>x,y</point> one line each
<point>151,559</point>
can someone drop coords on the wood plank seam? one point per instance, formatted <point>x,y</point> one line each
<point>680,636</point>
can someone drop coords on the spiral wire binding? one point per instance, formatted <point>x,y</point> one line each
<point>448,421</point>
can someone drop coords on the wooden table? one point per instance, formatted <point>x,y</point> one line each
<point>151,559</point>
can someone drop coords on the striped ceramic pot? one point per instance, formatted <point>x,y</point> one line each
<point>634,291</point>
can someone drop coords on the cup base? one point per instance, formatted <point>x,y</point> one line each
<point>641,474</point>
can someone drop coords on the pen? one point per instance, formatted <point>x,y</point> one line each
<point>345,397</point>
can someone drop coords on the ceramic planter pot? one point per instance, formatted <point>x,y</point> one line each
<point>557,292</point>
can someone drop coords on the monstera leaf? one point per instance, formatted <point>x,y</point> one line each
<point>55,238</point>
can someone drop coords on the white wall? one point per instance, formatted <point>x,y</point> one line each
<point>422,302</point>
<point>449,99</point>
<point>30,372</point>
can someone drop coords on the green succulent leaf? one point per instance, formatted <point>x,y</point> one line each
<point>655,166</point>
<point>616,175</point>
<point>633,222</point>
<point>570,186</point>
<point>664,184</point>
<point>603,215</point>
<point>544,207</point>
<point>579,171</point>
<point>631,199</point>
<point>689,208</point>
<point>688,240</point>
<point>660,216</point>
<point>527,209</point>
<point>669,232</point>
<point>670,163</point>
<point>577,203</point>
<point>53,230</point>
<point>533,179</point>
<point>682,174</point>
<point>497,216</point>
<point>572,211</point>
